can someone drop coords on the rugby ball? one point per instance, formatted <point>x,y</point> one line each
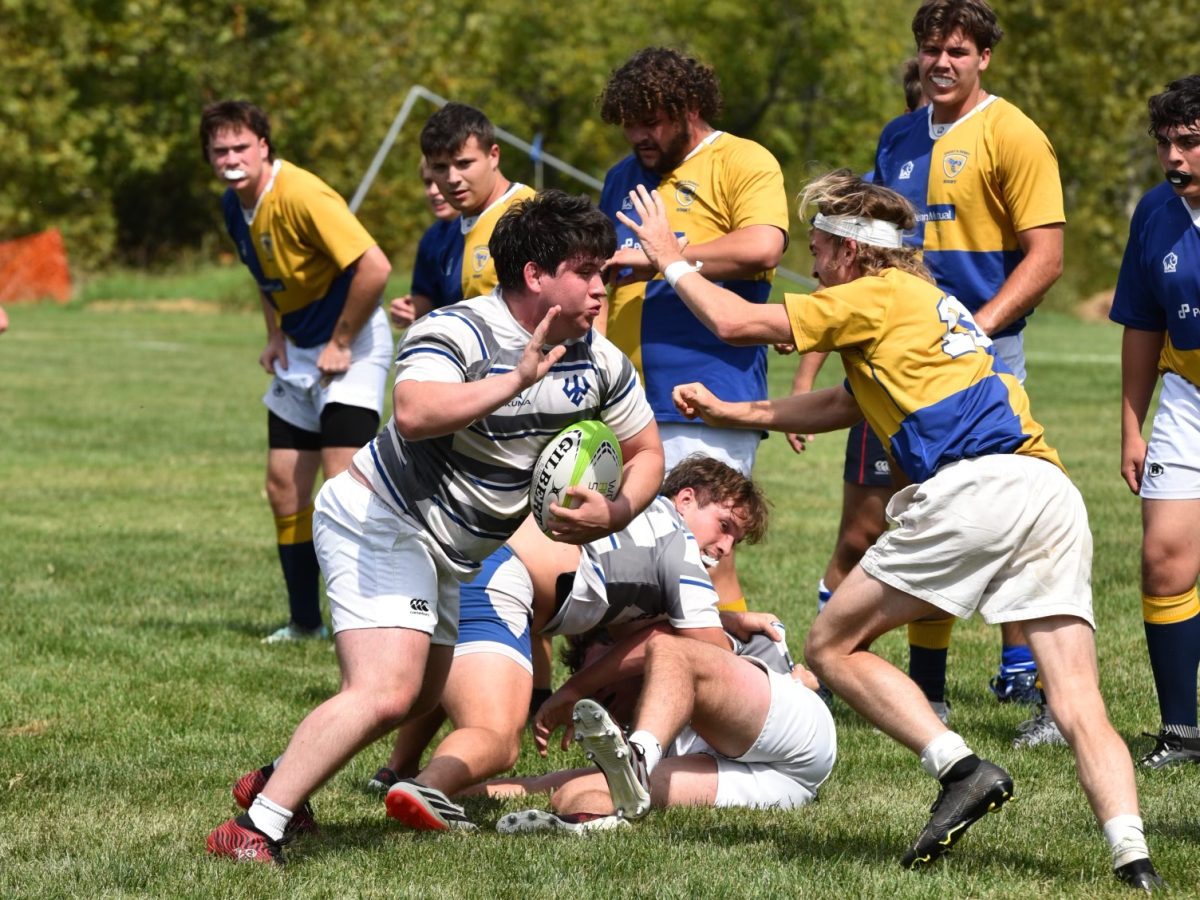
<point>585,453</point>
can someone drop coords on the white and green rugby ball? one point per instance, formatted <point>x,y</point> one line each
<point>585,453</point>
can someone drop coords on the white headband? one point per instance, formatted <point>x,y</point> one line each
<point>876,232</point>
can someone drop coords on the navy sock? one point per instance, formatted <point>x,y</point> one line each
<point>928,669</point>
<point>302,576</point>
<point>1174,656</point>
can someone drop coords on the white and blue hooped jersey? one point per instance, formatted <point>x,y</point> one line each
<point>470,490</point>
<point>989,176</point>
<point>650,571</point>
<point>1159,285</point>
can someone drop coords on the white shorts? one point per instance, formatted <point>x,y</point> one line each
<point>1006,535</point>
<point>379,571</point>
<point>735,447</point>
<point>496,610</point>
<point>297,396</point>
<point>1011,349</point>
<point>792,756</point>
<point>1172,469</point>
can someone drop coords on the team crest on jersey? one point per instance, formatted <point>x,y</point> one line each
<point>685,193</point>
<point>479,258</point>
<point>954,162</point>
<point>906,171</point>
<point>576,387</point>
<point>1170,263</point>
<point>267,245</point>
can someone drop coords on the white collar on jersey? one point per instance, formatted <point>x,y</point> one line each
<point>876,232</point>
<point>700,146</point>
<point>249,214</point>
<point>937,131</point>
<point>466,223</point>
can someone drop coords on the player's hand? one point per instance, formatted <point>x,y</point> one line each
<point>553,714</point>
<point>784,349</point>
<point>805,677</point>
<point>590,517</point>
<point>535,360</point>
<point>333,361</point>
<point>744,625</point>
<point>696,401</point>
<point>274,352</point>
<point>653,232</point>
<point>799,442</point>
<point>402,311</point>
<point>1133,461</point>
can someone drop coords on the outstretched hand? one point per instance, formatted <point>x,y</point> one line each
<point>653,232</point>
<point>553,714</point>
<point>535,360</point>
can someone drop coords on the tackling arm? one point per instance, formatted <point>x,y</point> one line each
<point>824,410</point>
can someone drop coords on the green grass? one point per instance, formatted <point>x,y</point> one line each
<point>138,572</point>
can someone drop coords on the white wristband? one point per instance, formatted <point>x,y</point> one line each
<point>678,269</point>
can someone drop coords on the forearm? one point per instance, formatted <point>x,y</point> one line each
<point>1139,374</point>
<point>731,318</point>
<point>270,319</point>
<point>429,409</point>
<point>807,370</point>
<point>362,298</point>
<point>1027,284</point>
<point>745,253</point>
<point>641,478</point>
<point>812,413</point>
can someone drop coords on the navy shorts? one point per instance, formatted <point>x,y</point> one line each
<point>866,462</point>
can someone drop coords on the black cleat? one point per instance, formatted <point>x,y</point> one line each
<point>958,806</point>
<point>1140,875</point>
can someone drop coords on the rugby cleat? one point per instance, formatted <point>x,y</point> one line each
<point>1140,874</point>
<point>1040,729</point>
<point>959,804</point>
<point>1020,687</point>
<point>425,808</point>
<point>240,841</point>
<point>290,633</point>
<point>1169,750</point>
<point>381,782</point>
<point>532,820</point>
<point>250,786</point>
<point>622,763</point>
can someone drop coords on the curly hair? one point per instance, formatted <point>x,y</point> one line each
<point>938,19</point>
<point>1177,106</point>
<point>842,193</point>
<point>659,79</point>
<point>715,482</point>
<point>227,114</point>
<point>549,229</point>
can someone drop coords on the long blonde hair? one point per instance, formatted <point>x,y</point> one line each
<point>842,193</point>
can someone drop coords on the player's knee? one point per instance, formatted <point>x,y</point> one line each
<point>818,650</point>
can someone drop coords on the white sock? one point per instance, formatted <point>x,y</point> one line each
<point>1126,838</point>
<point>651,749</point>
<point>943,752</point>
<point>269,818</point>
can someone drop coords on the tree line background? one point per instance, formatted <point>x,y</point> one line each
<point>101,99</point>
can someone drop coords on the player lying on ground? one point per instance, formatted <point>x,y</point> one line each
<point>990,523</point>
<point>712,728</point>
<point>651,571</point>
<point>479,387</point>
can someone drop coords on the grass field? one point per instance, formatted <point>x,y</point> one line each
<point>138,572</point>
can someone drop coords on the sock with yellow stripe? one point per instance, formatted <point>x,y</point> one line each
<point>738,605</point>
<point>1173,639</point>
<point>301,574</point>
<point>928,647</point>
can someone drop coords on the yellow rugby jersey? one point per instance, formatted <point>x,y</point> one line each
<point>921,371</point>
<point>478,270</point>
<point>727,183</point>
<point>992,175</point>
<point>300,248</point>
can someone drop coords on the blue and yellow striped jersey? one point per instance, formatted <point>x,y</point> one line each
<point>301,248</point>
<point>924,375</point>
<point>991,175</point>
<point>726,184</point>
<point>1159,285</point>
